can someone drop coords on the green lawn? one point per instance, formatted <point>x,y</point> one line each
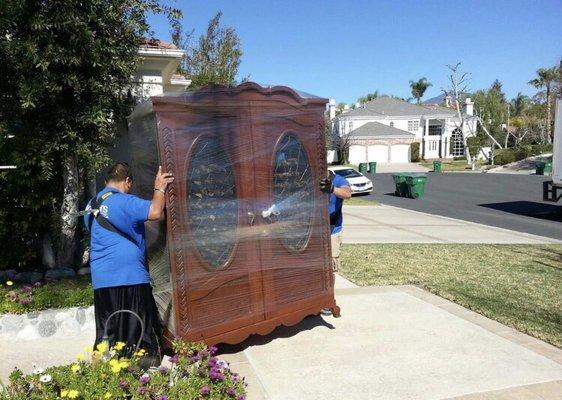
<point>62,294</point>
<point>517,285</point>
<point>453,166</point>
<point>360,201</point>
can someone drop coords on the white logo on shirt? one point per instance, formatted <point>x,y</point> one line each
<point>104,210</point>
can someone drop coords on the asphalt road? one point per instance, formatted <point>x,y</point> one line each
<point>503,200</point>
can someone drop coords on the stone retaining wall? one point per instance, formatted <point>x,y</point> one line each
<point>48,323</point>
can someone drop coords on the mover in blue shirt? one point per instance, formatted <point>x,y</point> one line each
<point>338,188</point>
<point>120,276</point>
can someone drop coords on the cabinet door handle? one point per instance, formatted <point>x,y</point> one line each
<point>251,218</point>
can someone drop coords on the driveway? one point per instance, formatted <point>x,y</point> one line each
<point>506,201</point>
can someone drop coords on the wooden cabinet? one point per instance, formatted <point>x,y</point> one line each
<point>245,246</point>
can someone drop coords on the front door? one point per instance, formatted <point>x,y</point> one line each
<point>219,283</point>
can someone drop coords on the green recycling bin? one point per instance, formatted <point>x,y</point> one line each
<point>547,167</point>
<point>437,166</point>
<point>540,167</point>
<point>416,186</point>
<point>363,167</point>
<point>373,167</point>
<point>401,186</point>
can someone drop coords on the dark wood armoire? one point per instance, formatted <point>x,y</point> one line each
<point>245,245</point>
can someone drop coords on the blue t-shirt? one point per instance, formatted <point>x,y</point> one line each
<point>335,205</point>
<point>114,260</point>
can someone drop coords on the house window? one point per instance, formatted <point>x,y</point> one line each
<point>392,124</point>
<point>413,126</point>
<point>434,130</point>
<point>457,143</point>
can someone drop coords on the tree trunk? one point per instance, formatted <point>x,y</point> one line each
<point>70,202</point>
<point>47,253</point>
<point>548,128</point>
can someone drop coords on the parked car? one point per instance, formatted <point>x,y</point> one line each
<point>358,182</point>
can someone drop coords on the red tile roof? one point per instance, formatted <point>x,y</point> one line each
<point>157,44</point>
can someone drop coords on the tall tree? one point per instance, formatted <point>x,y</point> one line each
<point>66,67</point>
<point>518,104</point>
<point>214,59</point>
<point>546,77</point>
<point>418,88</point>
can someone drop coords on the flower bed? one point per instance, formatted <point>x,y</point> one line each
<point>195,373</point>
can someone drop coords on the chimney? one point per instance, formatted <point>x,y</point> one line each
<point>448,101</point>
<point>357,105</point>
<point>468,106</point>
<point>332,109</point>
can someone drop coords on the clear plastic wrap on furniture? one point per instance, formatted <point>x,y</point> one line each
<point>245,245</point>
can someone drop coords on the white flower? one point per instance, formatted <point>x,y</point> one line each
<point>45,378</point>
<point>38,370</point>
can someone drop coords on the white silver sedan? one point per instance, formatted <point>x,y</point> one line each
<point>358,182</point>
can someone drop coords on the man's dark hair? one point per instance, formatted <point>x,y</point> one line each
<point>119,172</point>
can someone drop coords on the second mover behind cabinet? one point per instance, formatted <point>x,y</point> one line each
<point>245,246</point>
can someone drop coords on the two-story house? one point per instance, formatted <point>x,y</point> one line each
<point>384,129</point>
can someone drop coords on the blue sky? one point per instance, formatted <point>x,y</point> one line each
<point>344,49</point>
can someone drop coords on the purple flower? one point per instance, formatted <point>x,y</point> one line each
<point>163,369</point>
<point>37,284</point>
<point>204,353</point>
<point>174,359</point>
<point>242,397</point>
<point>26,300</point>
<point>163,397</point>
<point>123,384</point>
<point>27,288</point>
<point>204,391</point>
<point>141,390</point>
<point>144,379</point>
<point>231,392</point>
<point>216,375</point>
<point>195,358</point>
<point>212,349</point>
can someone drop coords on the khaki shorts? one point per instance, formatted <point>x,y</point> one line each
<point>336,244</point>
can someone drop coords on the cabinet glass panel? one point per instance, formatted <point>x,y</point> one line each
<point>293,192</point>
<point>212,207</point>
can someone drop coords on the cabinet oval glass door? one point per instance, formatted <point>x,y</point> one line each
<point>212,206</point>
<point>293,193</point>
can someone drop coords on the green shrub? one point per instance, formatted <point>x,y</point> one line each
<point>415,151</point>
<point>504,156</point>
<point>195,374</point>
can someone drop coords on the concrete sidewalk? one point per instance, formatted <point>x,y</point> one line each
<point>384,168</point>
<point>388,224</point>
<point>398,343</point>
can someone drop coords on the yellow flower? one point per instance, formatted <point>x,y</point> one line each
<point>63,393</point>
<point>115,366</point>
<point>80,357</point>
<point>75,368</point>
<point>140,353</point>
<point>72,394</point>
<point>101,347</point>
<point>9,283</point>
<point>119,346</point>
<point>107,395</point>
<point>88,349</point>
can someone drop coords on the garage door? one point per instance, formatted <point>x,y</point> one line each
<point>357,154</point>
<point>400,153</point>
<point>378,153</point>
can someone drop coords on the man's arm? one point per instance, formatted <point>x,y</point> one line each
<point>343,192</point>
<point>159,198</point>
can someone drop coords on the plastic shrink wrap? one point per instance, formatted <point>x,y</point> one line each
<point>245,245</point>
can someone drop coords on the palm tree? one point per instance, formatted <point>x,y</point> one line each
<point>519,104</point>
<point>419,88</point>
<point>546,78</point>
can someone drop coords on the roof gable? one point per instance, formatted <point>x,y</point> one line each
<point>376,129</point>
